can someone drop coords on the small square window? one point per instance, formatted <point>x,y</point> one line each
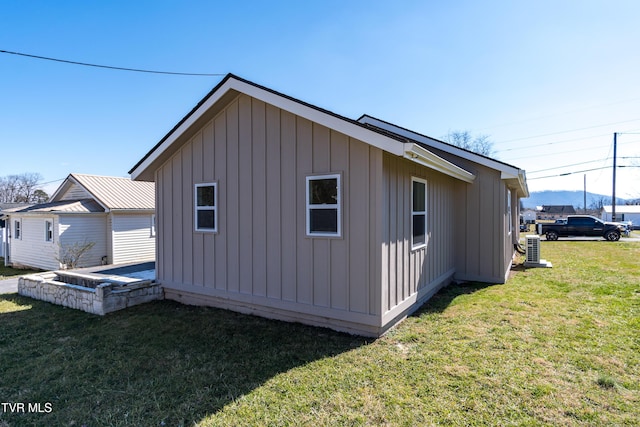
<point>206,207</point>
<point>323,206</point>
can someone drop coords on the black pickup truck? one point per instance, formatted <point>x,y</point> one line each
<point>581,225</point>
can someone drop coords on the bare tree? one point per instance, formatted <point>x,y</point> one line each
<point>480,144</point>
<point>22,188</point>
<point>72,254</point>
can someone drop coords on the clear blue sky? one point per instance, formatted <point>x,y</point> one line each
<point>548,81</point>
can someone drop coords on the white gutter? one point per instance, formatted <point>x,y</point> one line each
<point>426,158</point>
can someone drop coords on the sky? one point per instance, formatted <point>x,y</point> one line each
<point>549,82</point>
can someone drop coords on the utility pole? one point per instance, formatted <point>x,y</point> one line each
<point>613,202</point>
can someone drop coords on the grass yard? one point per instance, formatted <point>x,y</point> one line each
<point>8,272</point>
<point>556,346</point>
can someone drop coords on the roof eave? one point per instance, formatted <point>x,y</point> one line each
<point>133,210</point>
<point>424,157</point>
<point>517,181</point>
<point>144,170</point>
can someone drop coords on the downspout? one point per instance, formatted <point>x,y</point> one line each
<point>7,245</point>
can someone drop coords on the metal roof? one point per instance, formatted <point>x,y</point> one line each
<point>114,193</point>
<point>628,209</point>
<point>72,206</point>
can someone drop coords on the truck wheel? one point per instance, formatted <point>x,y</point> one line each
<point>551,235</point>
<point>612,236</point>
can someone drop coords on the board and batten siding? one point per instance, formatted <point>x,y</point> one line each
<point>484,252</point>
<point>412,276</point>
<point>131,238</point>
<point>260,260</point>
<point>32,249</point>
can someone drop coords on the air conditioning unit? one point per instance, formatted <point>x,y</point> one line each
<point>532,253</point>
<point>533,249</point>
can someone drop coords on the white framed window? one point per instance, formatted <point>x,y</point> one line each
<point>48,231</point>
<point>418,213</point>
<point>153,225</point>
<point>509,215</point>
<point>206,207</point>
<point>324,206</point>
<point>17,229</point>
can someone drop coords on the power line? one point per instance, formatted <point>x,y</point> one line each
<point>524,147</point>
<point>548,154</point>
<point>111,67</point>
<point>566,166</point>
<point>582,171</point>
<point>566,131</point>
<point>531,119</point>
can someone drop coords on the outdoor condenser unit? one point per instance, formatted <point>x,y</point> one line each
<point>533,249</point>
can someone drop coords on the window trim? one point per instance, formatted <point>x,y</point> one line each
<point>416,213</point>
<point>337,205</point>
<point>17,229</point>
<point>153,225</point>
<point>213,208</point>
<point>48,231</point>
<point>509,213</point>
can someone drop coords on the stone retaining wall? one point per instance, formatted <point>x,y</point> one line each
<point>105,298</point>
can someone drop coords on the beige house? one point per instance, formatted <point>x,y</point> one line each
<point>272,206</point>
<point>115,214</point>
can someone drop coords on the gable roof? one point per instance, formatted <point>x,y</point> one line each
<point>112,193</point>
<point>390,138</point>
<point>231,86</point>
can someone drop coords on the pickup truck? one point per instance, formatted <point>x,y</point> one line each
<point>581,225</point>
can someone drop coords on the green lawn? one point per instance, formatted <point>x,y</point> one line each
<point>556,346</point>
<point>8,272</point>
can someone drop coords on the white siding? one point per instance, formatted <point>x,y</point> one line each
<point>131,238</point>
<point>32,250</point>
<point>85,228</point>
<point>3,239</point>
<point>75,192</point>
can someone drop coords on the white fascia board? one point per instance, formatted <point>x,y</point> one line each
<point>61,188</point>
<point>426,158</point>
<point>519,178</point>
<point>464,154</point>
<point>332,122</point>
<point>180,130</point>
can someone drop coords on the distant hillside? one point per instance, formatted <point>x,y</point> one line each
<point>574,198</point>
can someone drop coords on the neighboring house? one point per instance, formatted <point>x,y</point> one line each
<point>4,230</point>
<point>271,206</point>
<point>624,213</point>
<point>529,216</point>
<point>116,214</point>
<point>548,212</point>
